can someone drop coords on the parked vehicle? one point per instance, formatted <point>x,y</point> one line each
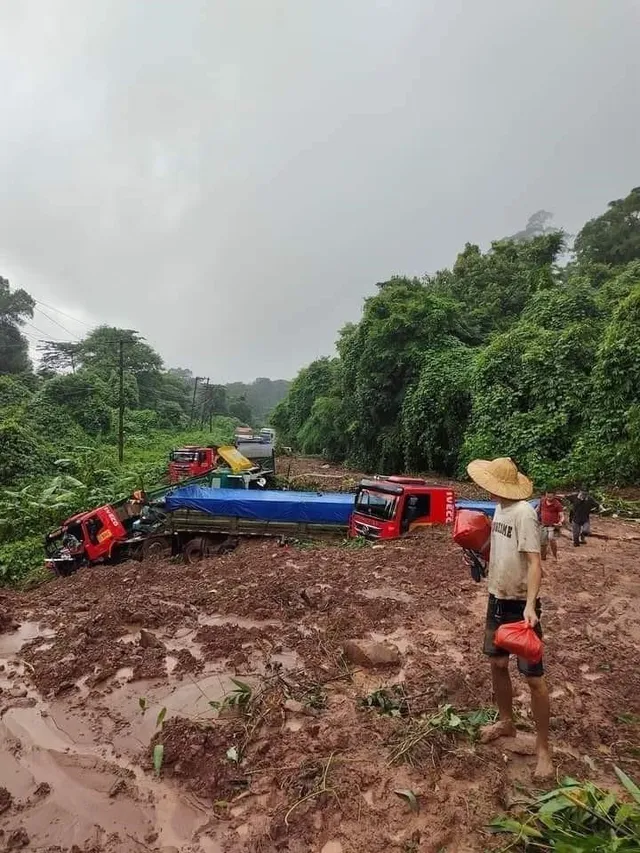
<point>193,461</point>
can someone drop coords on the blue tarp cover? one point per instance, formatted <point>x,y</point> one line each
<point>487,507</point>
<point>334,508</point>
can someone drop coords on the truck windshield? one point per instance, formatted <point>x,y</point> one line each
<point>375,504</point>
<point>183,456</point>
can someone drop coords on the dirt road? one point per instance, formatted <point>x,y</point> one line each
<point>293,762</point>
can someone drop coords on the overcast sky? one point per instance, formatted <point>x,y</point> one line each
<point>231,177</point>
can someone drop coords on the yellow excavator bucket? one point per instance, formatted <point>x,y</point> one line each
<point>234,459</point>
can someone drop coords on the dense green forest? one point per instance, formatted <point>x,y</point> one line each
<point>530,349</point>
<point>59,423</point>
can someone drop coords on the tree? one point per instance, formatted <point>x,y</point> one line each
<point>100,353</point>
<point>537,224</point>
<point>84,396</point>
<point>241,410</point>
<point>381,357</point>
<point>494,287</point>
<point>290,415</point>
<point>324,431</point>
<point>530,387</point>
<point>614,237</point>
<point>15,309</point>
<point>262,394</point>
<point>58,356</point>
<point>436,409</point>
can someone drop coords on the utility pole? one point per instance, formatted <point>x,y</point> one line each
<point>206,389</point>
<point>193,401</point>
<point>121,406</point>
<point>121,342</point>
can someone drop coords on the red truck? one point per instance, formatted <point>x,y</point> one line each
<point>389,507</point>
<point>192,461</point>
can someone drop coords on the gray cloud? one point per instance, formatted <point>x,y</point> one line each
<point>232,178</point>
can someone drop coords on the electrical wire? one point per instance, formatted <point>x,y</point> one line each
<point>64,328</point>
<point>42,333</point>
<point>58,311</point>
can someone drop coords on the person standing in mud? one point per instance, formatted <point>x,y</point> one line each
<point>551,515</point>
<point>514,578</point>
<point>582,505</point>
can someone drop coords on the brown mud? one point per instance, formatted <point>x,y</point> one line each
<point>292,762</point>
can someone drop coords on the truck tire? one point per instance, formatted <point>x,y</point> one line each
<point>156,548</point>
<point>196,550</point>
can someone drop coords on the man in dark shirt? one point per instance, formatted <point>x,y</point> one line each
<point>582,505</point>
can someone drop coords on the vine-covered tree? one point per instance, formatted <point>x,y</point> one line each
<point>614,237</point>
<point>16,307</point>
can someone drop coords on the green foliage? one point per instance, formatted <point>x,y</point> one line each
<point>387,701</point>
<point>262,395</point>
<point>325,430</point>
<point>436,409</point>
<point>84,396</point>
<point>21,451</point>
<point>529,388</point>
<point>578,818</point>
<point>13,392</point>
<point>494,287</point>
<point>241,410</point>
<point>15,308</point>
<point>19,558</point>
<point>507,353</point>
<point>290,415</point>
<point>381,357</point>
<point>614,237</point>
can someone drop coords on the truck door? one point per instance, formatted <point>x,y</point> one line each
<point>416,511</point>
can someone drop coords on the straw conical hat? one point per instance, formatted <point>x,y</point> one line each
<point>501,478</point>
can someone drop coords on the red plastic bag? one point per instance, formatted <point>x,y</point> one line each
<point>472,531</point>
<point>519,638</point>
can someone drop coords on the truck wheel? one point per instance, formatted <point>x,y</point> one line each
<point>197,549</point>
<point>156,548</point>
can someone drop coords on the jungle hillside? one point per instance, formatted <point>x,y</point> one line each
<point>530,349</point>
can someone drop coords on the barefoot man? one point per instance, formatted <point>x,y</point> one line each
<point>514,582</point>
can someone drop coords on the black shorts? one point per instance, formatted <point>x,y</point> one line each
<point>499,612</point>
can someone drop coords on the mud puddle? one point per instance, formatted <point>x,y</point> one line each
<point>74,787</point>
<point>13,641</point>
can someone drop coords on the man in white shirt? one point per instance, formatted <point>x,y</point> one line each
<point>514,578</point>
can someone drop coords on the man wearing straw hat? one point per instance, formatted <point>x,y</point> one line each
<point>514,578</point>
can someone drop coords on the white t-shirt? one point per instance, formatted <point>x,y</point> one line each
<point>515,532</point>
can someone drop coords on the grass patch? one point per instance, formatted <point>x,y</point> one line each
<point>427,735</point>
<point>577,818</point>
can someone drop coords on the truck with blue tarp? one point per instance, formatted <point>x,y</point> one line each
<point>196,521</point>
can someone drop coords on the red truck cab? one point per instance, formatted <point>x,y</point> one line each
<point>389,507</point>
<point>87,537</point>
<point>191,461</point>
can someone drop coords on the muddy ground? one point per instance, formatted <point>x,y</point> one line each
<point>292,761</point>
<point>311,472</point>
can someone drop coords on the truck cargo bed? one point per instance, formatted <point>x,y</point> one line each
<point>333,509</point>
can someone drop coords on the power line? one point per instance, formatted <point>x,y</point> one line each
<point>58,311</point>
<point>64,328</point>
<point>55,340</point>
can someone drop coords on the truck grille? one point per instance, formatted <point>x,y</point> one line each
<point>369,531</point>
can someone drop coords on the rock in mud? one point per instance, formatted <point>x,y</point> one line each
<point>18,839</point>
<point>295,707</point>
<point>315,597</point>
<point>5,800</point>
<point>118,786</point>
<point>371,654</point>
<point>148,640</point>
